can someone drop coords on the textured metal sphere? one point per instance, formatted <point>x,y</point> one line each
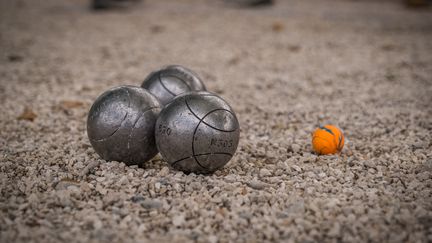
<point>197,132</point>
<point>171,81</point>
<point>121,122</point>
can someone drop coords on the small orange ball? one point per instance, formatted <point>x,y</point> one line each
<point>327,139</point>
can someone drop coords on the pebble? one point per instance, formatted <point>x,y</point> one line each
<point>335,230</point>
<point>178,220</point>
<point>124,180</point>
<point>295,148</point>
<point>137,198</point>
<point>66,184</point>
<point>164,171</point>
<point>151,204</point>
<point>296,168</point>
<point>212,239</point>
<point>255,184</point>
<point>89,167</point>
<point>265,172</point>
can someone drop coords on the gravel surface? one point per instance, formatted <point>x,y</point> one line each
<point>365,66</point>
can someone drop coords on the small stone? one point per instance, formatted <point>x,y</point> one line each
<point>264,172</point>
<point>245,215</point>
<point>335,230</point>
<point>314,208</point>
<point>178,220</point>
<point>33,198</point>
<point>66,184</point>
<point>137,198</point>
<point>151,204</point>
<point>296,207</point>
<point>95,222</point>
<point>101,190</point>
<point>124,180</point>
<point>428,165</point>
<point>157,185</point>
<point>296,168</point>
<point>256,185</point>
<point>212,239</point>
<point>64,198</point>
<point>164,171</point>
<point>295,148</point>
<point>230,178</point>
<point>111,198</point>
<point>89,167</point>
<point>369,164</point>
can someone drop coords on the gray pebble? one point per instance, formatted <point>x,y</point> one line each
<point>151,204</point>
<point>257,185</point>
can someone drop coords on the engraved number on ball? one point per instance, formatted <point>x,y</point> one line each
<point>221,143</point>
<point>164,129</point>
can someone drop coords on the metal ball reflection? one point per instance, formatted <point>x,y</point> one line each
<point>120,124</point>
<point>197,132</point>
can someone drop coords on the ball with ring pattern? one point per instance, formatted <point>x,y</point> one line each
<point>170,81</point>
<point>197,132</point>
<point>121,122</point>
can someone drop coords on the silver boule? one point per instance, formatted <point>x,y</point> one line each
<point>170,81</point>
<point>197,132</point>
<point>121,122</point>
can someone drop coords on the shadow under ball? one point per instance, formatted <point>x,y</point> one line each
<point>197,132</point>
<point>171,81</point>
<point>121,122</point>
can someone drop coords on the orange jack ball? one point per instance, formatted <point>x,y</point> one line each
<point>327,139</point>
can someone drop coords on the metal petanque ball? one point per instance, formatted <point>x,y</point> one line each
<point>197,132</point>
<point>121,123</point>
<point>171,81</point>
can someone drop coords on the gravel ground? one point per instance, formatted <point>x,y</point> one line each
<point>365,66</point>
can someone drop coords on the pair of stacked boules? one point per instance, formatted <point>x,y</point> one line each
<point>171,113</point>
